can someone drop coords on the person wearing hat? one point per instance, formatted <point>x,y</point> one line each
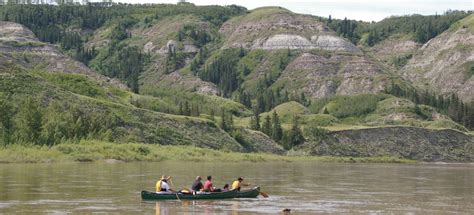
<point>162,185</point>
<point>236,185</point>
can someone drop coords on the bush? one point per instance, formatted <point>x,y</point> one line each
<point>348,106</point>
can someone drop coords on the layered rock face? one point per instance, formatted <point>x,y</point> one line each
<point>20,46</point>
<point>320,76</point>
<point>324,42</point>
<point>441,64</point>
<point>273,28</point>
<point>424,144</point>
<point>394,49</point>
<point>260,142</point>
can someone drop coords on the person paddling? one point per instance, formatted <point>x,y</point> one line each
<point>197,185</point>
<point>162,185</point>
<point>236,185</point>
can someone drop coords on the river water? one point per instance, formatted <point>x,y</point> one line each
<point>303,187</point>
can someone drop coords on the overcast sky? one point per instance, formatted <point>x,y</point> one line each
<point>367,10</point>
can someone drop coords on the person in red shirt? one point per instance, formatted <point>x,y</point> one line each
<point>208,185</point>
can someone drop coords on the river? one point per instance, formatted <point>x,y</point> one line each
<point>303,187</point>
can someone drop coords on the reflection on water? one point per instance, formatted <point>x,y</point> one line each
<point>304,187</point>
<point>187,207</point>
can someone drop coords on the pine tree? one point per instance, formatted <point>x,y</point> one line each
<point>325,111</point>
<point>181,110</point>
<point>187,109</point>
<point>223,124</point>
<point>295,135</point>
<point>255,121</point>
<point>241,51</point>
<point>277,131</point>
<point>267,126</point>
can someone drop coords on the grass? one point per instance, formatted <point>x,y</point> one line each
<point>75,83</point>
<point>264,12</point>
<point>467,22</point>
<point>287,111</point>
<point>468,70</point>
<point>91,150</point>
<point>25,44</point>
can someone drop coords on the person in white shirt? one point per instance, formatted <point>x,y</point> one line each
<point>165,187</point>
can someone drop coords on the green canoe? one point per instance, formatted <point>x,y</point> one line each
<point>252,193</point>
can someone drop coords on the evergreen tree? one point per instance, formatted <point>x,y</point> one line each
<point>277,131</point>
<point>295,135</point>
<point>241,51</point>
<point>255,121</point>
<point>325,111</point>
<point>181,109</point>
<point>267,126</point>
<point>223,124</point>
<point>187,109</point>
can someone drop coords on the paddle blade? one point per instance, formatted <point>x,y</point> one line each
<point>265,195</point>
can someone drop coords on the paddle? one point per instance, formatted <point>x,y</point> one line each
<point>172,184</point>
<point>265,195</point>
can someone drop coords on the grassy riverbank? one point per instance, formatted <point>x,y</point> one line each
<point>88,151</point>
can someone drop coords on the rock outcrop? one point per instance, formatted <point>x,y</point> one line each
<point>324,42</point>
<point>256,141</point>
<point>395,49</point>
<point>404,142</point>
<point>319,75</point>
<point>276,28</point>
<point>441,64</point>
<point>19,45</point>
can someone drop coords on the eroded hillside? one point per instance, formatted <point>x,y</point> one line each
<point>266,80</point>
<point>444,64</point>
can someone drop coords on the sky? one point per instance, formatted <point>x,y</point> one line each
<point>366,10</point>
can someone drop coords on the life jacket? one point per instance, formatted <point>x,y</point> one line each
<point>158,186</point>
<point>236,185</point>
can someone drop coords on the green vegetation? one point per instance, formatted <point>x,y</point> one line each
<point>345,106</point>
<point>87,151</point>
<point>118,60</point>
<point>420,28</point>
<point>401,60</point>
<point>452,106</point>
<point>165,53</point>
<point>75,83</point>
<point>466,23</point>
<point>206,104</point>
<point>469,70</point>
<point>37,111</point>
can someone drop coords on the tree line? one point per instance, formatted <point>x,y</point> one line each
<point>32,122</point>
<point>452,106</point>
<point>272,127</point>
<point>421,28</point>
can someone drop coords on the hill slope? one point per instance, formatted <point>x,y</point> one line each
<point>18,45</point>
<point>278,28</point>
<point>193,71</point>
<point>445,63</point>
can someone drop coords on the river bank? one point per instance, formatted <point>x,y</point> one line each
<point>92,151</point>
